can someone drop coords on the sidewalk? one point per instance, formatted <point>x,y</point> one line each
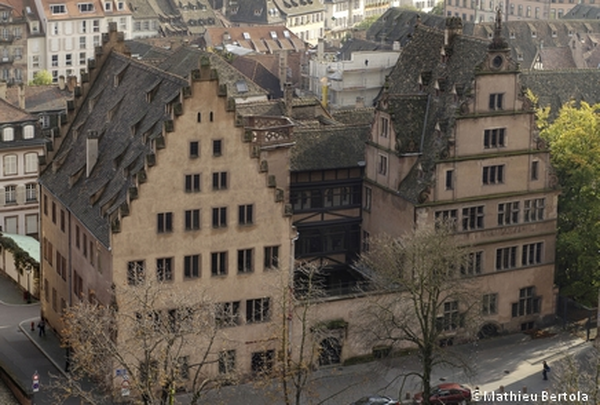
<point>10,293</point>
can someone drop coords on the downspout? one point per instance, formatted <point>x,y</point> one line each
<point>291,289</point>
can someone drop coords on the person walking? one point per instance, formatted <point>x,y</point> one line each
<point>546,370</point>
<point>42,327</point>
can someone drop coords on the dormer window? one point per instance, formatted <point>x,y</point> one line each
<point>28,132</point>
<point>533,34</point>
<point>258,12</point>
<point>553,34</point>
<point>107,6</point>
<point>85,7</point>
<point>120,6</point>
<point>8,134</point>
<point>512,35</point>
<point>234,10</point>
<point>58,9</point>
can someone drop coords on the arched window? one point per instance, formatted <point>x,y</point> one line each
<point>28,132</point>
<point>31,162</point>
<point>8,134</point>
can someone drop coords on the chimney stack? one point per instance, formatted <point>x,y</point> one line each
<point>2,90</point>
<point>453,28</point>
<point>91,151</point>
<point>21,95</point>
<point>288,97</point>
<point>320,50</point>
<point>61,82</point>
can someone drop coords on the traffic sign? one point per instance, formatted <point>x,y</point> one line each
<point>125,388</point>
<point>35,386</point>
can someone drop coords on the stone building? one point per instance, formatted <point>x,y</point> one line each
<point>158,176</point>
<point>454,138</point>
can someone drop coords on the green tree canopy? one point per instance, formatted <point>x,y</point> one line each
<point>43,77</point>
<point>574,139</point>
<point>438,9</point>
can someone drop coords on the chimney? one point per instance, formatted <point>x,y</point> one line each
<point>320,50</point>
<point>396,46</point>
<point>360,102</point>
<point>61,82</point>
<point>2,90</point>
<point>288,95</point>
<point>453,28</point>
<point>21,95</point>
<point>91,151</point>
<point>71,83</point>
<point>283,69</point>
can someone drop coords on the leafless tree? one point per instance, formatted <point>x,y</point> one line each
<point>159,339</point>
<point>426,300</point>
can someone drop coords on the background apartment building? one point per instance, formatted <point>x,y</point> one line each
<point>484,11</point>
<point>74,28</point>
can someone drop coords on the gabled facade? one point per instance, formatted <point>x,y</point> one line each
<point>74,28</point>
<point>21,146</point>
<point>454,139</point>
<point>158,173</point>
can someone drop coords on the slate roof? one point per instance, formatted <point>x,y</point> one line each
<point>140,9</point>
<point>11,114</point>
<point>254,12</point>
<point>358,116</point>
<point>259,74</point>
<point>583,11</point>
<point>321,147</point>
<point>292,8</point>
<point>557,58</point>
<point>198,15</point>
<point>525,37</point>
<point>185,59</point>
<point>149,53</point>
<point>554,88</point>
<point>121,154</point>
<point>41,98</point>
<point>420,118</point>
<point>358,45</point>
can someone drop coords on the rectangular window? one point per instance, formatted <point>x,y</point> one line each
<point>219,217</point>
<point>218,263</point>
<point>96,25</point>
<point>53,212</point>
<point>258,310</point>
<point>194,149</point>
<point>246,214</point>
<point>227,314</point>
<point>31,192</point>
<point>473,265</point>
<point>165,222</point>
<point>451,316</point>
<point>384,127</point>
<point>490,304</point>
<point>217,147</point>
<point>54,60</point>
<point>68,59</point>
<point>382,167</point>
<point>84,245</point>
<point>191,266</point>
<point>493,174</point>
<point>45,205</point>
<point>449,182</point>
<point>10,194</point>
<point>219,181</point>
<point>368,198</point>
<point>508,213</point>
<point>472,218</point>
<point>82,58</point>
<point>135,272</point>
<point>192,220</point>
<point>496,101</point>
<point>534,170</point>
<point>506,258</point>
<point>531,254</point>
<point>10,161</point>
<point>449,216</point>
<point>54,300</point>
<point>262,362</point>
<point>77,242</point>
<point>271,257</point>
<point>227,362</point>
<point>245,261</point>
<point>82,43</point>
<point>494,138</point>
<point>164,269</point>
<point>366,240</point>
<point>31,225</point>
<point>192,183</point>
<point>533,210</point>
<point>58,9</point>
<point>62,220</point>
<point>528,303</point>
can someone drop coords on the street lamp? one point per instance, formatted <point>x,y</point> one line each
<point>28,270</point>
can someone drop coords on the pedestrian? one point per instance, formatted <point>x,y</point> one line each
<point>42,327</point>
<point>546,370</point>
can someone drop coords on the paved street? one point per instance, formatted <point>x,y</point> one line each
<point>513,361</point>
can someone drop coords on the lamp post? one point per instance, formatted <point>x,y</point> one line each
<point>28,270</point>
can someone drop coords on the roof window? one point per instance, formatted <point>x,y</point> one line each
<point>58,9</point>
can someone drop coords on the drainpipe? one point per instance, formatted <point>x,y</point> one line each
<point>291,291</point>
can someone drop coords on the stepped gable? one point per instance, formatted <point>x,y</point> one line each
<point>126,118</point>
<point>423,95</point>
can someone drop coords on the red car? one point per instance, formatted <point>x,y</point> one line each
<point>447,394</point>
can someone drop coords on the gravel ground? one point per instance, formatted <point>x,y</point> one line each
<point>6,397</point>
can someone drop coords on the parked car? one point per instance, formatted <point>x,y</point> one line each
<point>376,400</point>
<point>447,394</point>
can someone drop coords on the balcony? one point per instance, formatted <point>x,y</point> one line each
<point>6,60</point>
<point>7,38</point>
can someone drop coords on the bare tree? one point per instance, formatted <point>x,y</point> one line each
<point>300,349</point>
<point>425,297</point>
<point>160,339</point>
